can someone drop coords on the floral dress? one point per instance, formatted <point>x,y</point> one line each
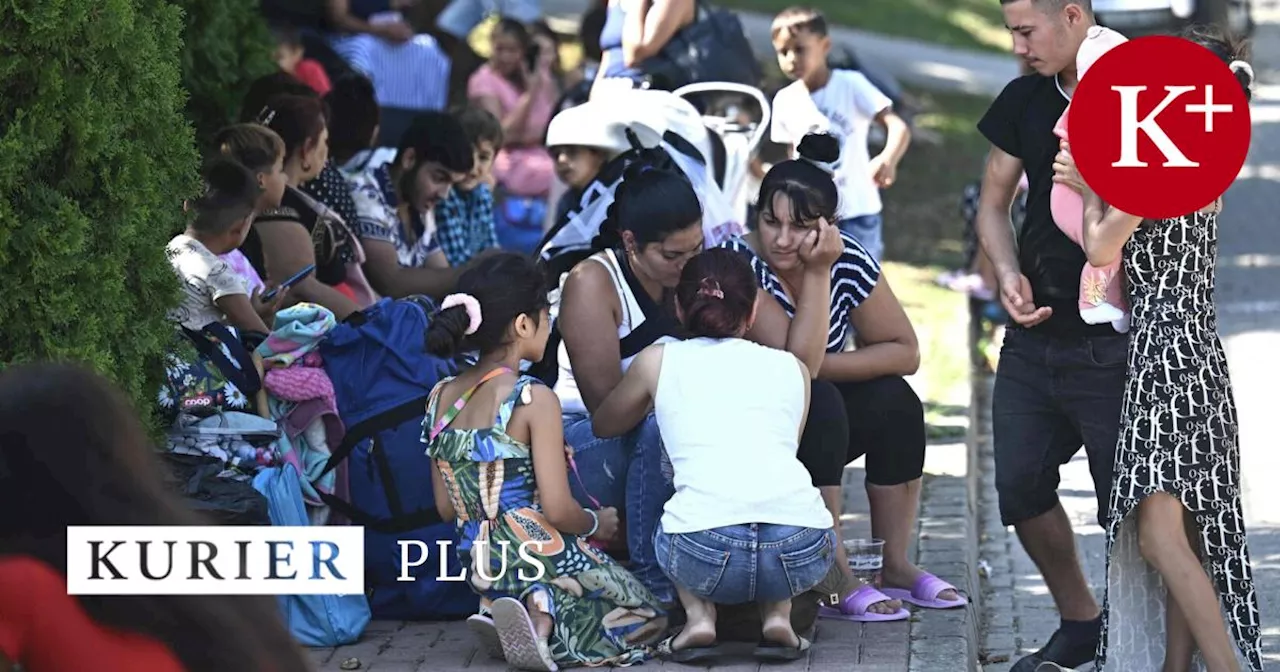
<point>602,614</point>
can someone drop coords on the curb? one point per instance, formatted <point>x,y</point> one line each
<point>948,545</point>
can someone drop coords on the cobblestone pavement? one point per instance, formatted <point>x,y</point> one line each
<point>1019,614</point>
<point>930,641</point>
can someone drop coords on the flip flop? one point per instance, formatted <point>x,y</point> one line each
<point>924,593</point>
<point>487,633</point>
<point>854,607</point>
<point>689,654</point>
<point>781,653</point>
<point>520,642</point>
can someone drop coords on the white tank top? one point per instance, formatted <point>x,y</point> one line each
<point>729,412</point>
<point>566,387</point>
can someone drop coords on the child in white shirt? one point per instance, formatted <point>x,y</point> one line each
<point>843,103</point>
<point>211,290</point>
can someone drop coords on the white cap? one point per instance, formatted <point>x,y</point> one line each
<point>586,125</point>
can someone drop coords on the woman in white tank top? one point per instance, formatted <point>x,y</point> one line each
<point>746,523</point>
<point>613,305</point>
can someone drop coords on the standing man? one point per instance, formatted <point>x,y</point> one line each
<point>1060,382</point>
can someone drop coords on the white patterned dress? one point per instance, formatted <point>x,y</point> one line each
<point>1178,435</point>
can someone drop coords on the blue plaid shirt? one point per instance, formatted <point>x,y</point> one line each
<point>465,224</point>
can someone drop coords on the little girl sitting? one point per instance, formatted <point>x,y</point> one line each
<point>746,523</point>
<point>500,469</point>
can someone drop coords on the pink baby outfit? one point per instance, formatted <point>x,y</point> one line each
<point>1102,288</point>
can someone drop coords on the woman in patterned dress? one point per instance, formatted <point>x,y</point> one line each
<point>500,469</point>
<point>1177,462</point>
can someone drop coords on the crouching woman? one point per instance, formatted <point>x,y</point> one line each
<point>746,523</point>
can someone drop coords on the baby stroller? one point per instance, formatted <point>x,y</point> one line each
<point>709,131</point>
<point>711,143</point>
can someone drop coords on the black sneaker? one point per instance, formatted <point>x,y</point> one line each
<point>1059,651</point>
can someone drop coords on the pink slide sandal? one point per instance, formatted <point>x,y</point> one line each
<point>924,593</point>
<point>854,607</point>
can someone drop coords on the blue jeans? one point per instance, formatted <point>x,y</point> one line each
<point>868,230</point>
<point>630,472</point>
<point>756,562</point>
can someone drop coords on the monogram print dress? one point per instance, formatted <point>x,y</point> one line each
<point>1178,436</point>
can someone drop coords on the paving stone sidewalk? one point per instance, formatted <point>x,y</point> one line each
<point>928,642</point>
<point>1019,614</point>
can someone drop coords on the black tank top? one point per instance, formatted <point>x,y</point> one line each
<point>332,241</point>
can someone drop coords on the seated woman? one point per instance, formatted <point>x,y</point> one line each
<point>616,303</point>
<point>259,149</point>
<point>329,187</point>
<point>746,523</point>
<point>304,231</point>
<point>73,452</point>
<point>634,31</point>
<point>885,419</point>
<point>522,94</point>
<point>499,470</point>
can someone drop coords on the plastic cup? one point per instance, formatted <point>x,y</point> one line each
<point>866,559</point>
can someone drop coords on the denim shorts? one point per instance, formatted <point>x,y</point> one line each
<point>1051,396</point>
<point>756,562</point>
<point>868,230</point>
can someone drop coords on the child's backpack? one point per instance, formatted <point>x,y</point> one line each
<point>383,375</point>
<point>313,620</point>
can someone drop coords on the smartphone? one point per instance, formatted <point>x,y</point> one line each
<point>297,277</point>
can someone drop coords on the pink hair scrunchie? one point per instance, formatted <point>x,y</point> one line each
<point>470,303</point>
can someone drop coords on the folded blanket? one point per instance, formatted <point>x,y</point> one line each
<point>298,331</point>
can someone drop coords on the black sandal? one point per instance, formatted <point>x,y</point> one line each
<point>776,652</point>
<point>690,654</point>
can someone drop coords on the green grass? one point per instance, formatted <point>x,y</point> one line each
<point>969,24</point>
<point>924,236</point>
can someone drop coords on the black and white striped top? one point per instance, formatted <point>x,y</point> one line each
<point>853,276</point>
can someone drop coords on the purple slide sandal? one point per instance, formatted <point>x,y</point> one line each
<point>924,593</point>
<point>854,607</point>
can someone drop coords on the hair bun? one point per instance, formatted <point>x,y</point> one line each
<point>819,148</point>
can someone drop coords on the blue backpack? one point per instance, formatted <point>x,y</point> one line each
<point>382,376</point>
<point>313,620</point>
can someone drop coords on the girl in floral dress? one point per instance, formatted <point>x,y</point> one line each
<point>501,470</point>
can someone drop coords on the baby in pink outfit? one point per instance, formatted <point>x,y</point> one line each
<point>1102,288</point>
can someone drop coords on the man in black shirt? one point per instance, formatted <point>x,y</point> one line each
<point>1060,381</point>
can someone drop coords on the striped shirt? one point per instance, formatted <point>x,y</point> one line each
<point>410,76</point>
<point>853,276</point>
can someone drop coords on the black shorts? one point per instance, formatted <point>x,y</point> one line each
<point>1051,396</point>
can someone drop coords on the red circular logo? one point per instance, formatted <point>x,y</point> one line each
<point>1159,127</point>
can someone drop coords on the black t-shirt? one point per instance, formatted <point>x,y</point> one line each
<point>1021,122</point>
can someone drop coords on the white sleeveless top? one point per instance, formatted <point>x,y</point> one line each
<point>729,412</point>
<point>566,387</point>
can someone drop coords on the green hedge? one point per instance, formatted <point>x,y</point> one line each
<point>227,46</point>
<point>95,160</point>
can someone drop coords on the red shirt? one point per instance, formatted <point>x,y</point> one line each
<point>44,629</point>
<point>310,72</point>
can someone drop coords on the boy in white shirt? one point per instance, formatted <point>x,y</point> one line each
<point>211,290</point>
<point>843,103</point>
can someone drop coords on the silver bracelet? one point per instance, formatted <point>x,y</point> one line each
<point>595,522</point>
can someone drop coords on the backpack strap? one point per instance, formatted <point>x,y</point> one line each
<point>447,417</point>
